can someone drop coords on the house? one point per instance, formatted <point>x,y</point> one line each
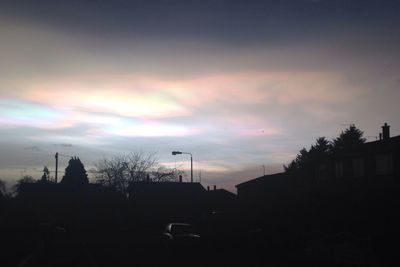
<point>373,160</point>
<point>351,187</point>
<point>268,198</point>
<point>258,189</point>
<point>168,201</point>
<point>70,205</point>
<point>220,200</point>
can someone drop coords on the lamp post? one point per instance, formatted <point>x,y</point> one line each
<point>56,156</point>
<point>191,162</point>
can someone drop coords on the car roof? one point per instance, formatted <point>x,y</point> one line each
<point>180,224</point>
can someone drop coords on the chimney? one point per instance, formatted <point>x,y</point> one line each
<point>215,187</point>
<point>180,178</point>
<point>385,131</point>
<point>380,136</point>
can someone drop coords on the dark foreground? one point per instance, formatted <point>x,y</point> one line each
<point>46,245</point>
<point>332,224</point>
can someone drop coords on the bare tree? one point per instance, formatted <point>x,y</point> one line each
<point>163,174</point>
<point>119,171</point>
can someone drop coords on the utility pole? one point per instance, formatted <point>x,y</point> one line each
<point>56,156</point>
<point>191,162</point>
<point>191,168</point>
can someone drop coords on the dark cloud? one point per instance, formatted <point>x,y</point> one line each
<point>232,21</point>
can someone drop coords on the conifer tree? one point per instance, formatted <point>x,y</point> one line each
<point>75,173</point>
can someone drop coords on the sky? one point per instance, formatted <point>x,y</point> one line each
<point>239,84</point>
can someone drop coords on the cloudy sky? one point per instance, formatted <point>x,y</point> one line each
<point>240,84</point>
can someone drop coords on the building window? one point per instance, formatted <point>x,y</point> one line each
<point>384,164</point>
<point>358,167</point>
<point>339,169</point>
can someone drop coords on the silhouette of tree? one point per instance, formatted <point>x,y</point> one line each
<point>18,187</point>
<point>3,190</point>
<point>349,138</point>
<point>120,171</point>
<point>306,159</point>
<point>321,149</point>
<point>292,167</point>
<point>75,173</point>
<point>299,163</point>
<point>46,175</point>
<point>163,174</point>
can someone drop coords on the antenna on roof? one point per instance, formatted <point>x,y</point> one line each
<point>263,169</point>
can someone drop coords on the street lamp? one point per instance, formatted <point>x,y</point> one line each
<point>174,153</point>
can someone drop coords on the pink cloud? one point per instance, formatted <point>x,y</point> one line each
<point>152,99</point>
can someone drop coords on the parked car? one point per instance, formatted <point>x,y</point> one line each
<point>181,234</point>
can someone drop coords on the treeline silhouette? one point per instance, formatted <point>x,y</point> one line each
<point>306,160</point>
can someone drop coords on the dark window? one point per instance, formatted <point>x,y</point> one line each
<point>339,169</point>
<point>180,229</point>
<point>358,167</point>
<point>322,171</point>
<point>384,164</point>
